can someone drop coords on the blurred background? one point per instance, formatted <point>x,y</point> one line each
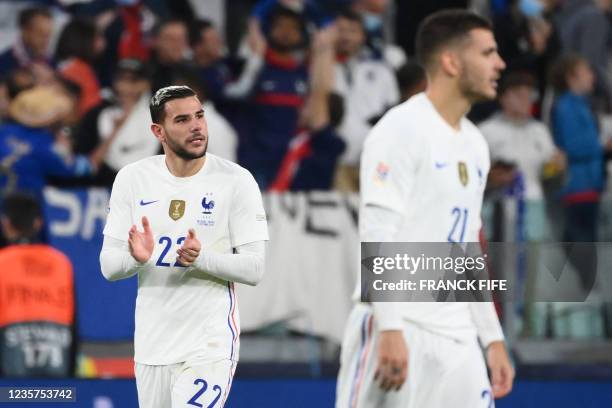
<point>76,79</point>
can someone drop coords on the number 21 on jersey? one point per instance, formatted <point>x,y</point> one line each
<point>459,218</point>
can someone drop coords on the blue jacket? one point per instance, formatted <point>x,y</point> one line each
<point>576,133</point>
<point>277,96</point>
<point>28,156</point>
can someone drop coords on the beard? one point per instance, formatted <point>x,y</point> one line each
<point>471,91</point>
<point>183,153</point>
<point>472,88</point>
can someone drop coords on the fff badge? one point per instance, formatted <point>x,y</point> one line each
<point>208,204</point>
<point>463,173</point>
<point>177,209</point>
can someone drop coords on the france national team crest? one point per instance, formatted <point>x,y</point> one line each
<point>177,209</point>
<point>208,204</point>
<point>463,173</point>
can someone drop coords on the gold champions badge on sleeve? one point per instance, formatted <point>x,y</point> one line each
<point>463,173</point>
<point>177,209</point>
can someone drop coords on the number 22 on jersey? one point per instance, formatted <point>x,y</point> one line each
<point>167,242</point>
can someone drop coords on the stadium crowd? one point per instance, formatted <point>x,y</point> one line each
<point>76,78</point>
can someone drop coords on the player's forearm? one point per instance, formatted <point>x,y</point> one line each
<point>486,322</point>
<point>116,262</point>
<point>246,266</point>
<point>381,225</point>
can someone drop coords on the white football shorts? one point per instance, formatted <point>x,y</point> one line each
<point>442,372</point>
<point>196,384</point>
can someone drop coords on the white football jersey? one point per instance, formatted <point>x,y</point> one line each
<point>417,165</point>
<point>180,317</point>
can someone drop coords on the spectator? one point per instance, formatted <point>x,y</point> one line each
<point>576,132</point>
<point>127,27</point>
<point>277,93</point>
<point>73,91</point>
<point>32,47</point>
<point>19,80</point>
<point>310,162</point>
<point>521,143</point>
<point>411,80</point>
<point>29,152</point>
<point>584,29</point>
<point>512,33</point>
<point>526,42</point>
<point>79,45</point>
<point>373,14</point>
<point>368,87</point>
<point>122,123</point>
<point>133,20</point>
<point>214,11</point>
<point>36,297</point>
<point>208,50</point>
<point>224,140</point>
<point>170,48</point>
<point>316,12</point>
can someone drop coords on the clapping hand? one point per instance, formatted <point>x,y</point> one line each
<point>190,250</point>
<point>141,243</point>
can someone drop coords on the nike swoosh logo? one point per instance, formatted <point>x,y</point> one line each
<point>142,202</point>
<point>440,165</point>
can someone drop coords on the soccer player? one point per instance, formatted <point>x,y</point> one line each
<point>203,228</point>
<point>424,166</point>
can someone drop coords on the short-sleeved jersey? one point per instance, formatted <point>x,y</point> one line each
<point>417,165</point>
<point>181,316</point>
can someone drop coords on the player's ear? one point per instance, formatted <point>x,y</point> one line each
<point>158,131</point>
<point>450,64</point>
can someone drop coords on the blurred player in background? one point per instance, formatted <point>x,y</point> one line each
<point>206,231</point>
<point>424,165</point>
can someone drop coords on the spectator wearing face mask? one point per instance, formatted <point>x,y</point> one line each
<point>369,88</point>
<point>378,47</point>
